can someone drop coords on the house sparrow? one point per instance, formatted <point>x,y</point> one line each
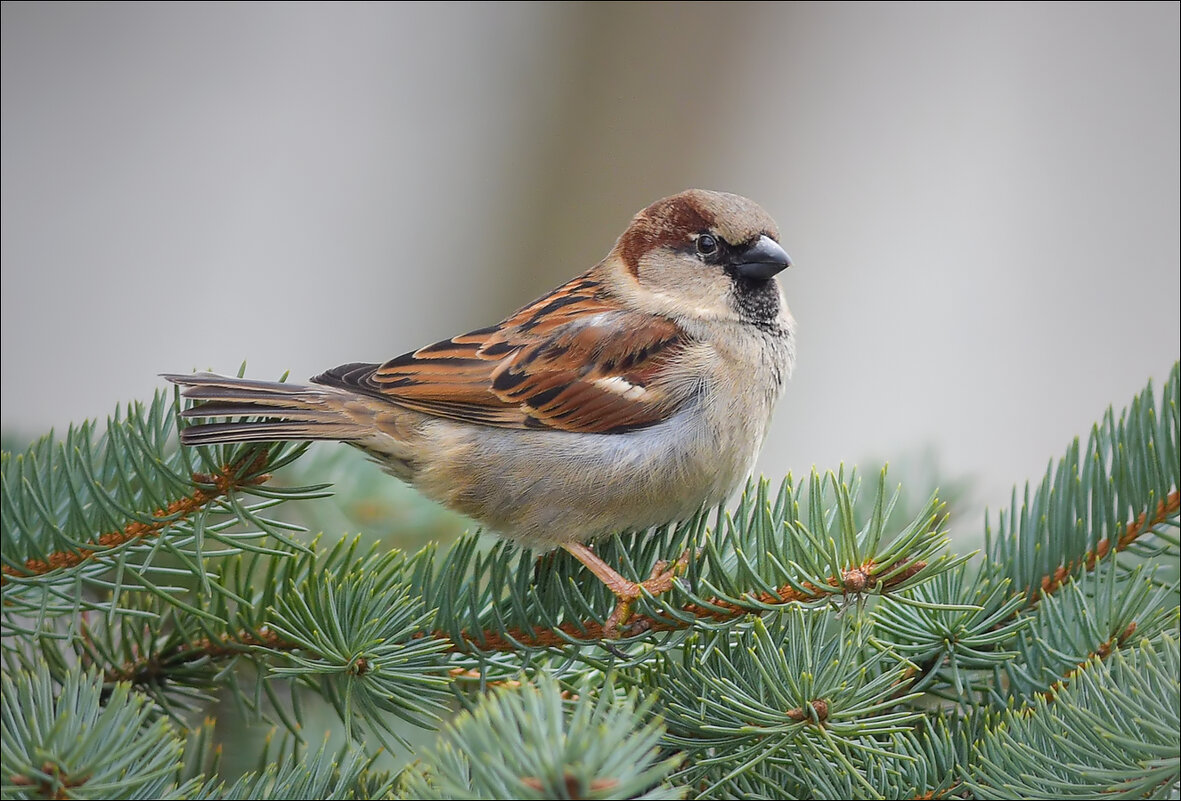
<point>626,398</point>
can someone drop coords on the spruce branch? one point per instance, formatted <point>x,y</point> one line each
<point>305,632</point>
<point>152,669</point>
<point>820,642</point>
<point>1111,731</point>
<point>1165,511</point>
<point>801,704</point>
<point>1103,500</point>
<point>79,740</point>
<point>94,518</point>
<point>1089,619</point>
<point>1104,650</point>
<point>227,479</point>
<point>714,609</point>
<point>765,559</point>
<point>340,621</point>
<point>344,773</point>
<point>550,744</point>
<point>1119,498</point>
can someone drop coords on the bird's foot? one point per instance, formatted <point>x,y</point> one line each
<point>659,581</point>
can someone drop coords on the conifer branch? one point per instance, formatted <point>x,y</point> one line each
<point>1110,731</point>
<point>1048,666</point>
<point>1103,651</point>
<point>1167,507</point>
<point>152,668</point>
<point>229,478</point>
<point>854,581</point>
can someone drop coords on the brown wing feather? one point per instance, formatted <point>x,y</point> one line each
<point>571,361</point>
<point>593,374</point>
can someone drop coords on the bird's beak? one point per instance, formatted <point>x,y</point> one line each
<point>763,259</point>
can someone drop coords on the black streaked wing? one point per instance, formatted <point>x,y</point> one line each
<point>571,361</point>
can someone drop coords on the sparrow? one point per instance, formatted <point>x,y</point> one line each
<point>631,396</point>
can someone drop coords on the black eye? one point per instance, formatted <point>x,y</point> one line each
<point>707,245</point>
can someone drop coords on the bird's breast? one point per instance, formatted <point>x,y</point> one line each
<point>545,487</point>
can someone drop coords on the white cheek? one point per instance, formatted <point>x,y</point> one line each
<point>676,306</point>
<point>680,288</point>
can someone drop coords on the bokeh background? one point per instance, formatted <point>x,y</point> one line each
<point>981,199</point>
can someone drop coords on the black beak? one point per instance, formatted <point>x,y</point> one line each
<point>763,259</point>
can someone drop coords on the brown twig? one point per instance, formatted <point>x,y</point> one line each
<point>1052,583</point>
<point>224,481</point>
<point>148,669</point>
<point>1102,652</point>
<point>852,581</point>
<point>817,714</point>
<point>930,795</point>
<point>57,787</point>
<point>1168,506</point>
<point>571,783</point>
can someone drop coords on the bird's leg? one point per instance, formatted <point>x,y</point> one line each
<point>626,592</point>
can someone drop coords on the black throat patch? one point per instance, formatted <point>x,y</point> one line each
<point>756,300</point>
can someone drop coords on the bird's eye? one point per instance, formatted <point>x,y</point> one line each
<point>707,245</point>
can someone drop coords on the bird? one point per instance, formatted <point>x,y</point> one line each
<point>629,397</point>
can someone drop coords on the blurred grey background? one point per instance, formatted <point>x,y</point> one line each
<point>981,199</point>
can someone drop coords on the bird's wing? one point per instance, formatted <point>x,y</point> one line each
<point>570,361</point>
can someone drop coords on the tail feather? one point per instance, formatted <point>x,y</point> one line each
<point>264,431</point>
<point>217,409</point>
<point>283,411</point>
<point>205,381</point>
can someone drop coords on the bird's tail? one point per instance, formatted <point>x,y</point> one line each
<point>277,411</point>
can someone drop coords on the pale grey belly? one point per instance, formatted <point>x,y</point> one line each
<point>544,488</point>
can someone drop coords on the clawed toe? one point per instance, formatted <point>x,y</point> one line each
<point>661,578</point>
<point>659,581</point>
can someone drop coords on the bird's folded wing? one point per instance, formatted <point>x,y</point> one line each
<point>570,361</point>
